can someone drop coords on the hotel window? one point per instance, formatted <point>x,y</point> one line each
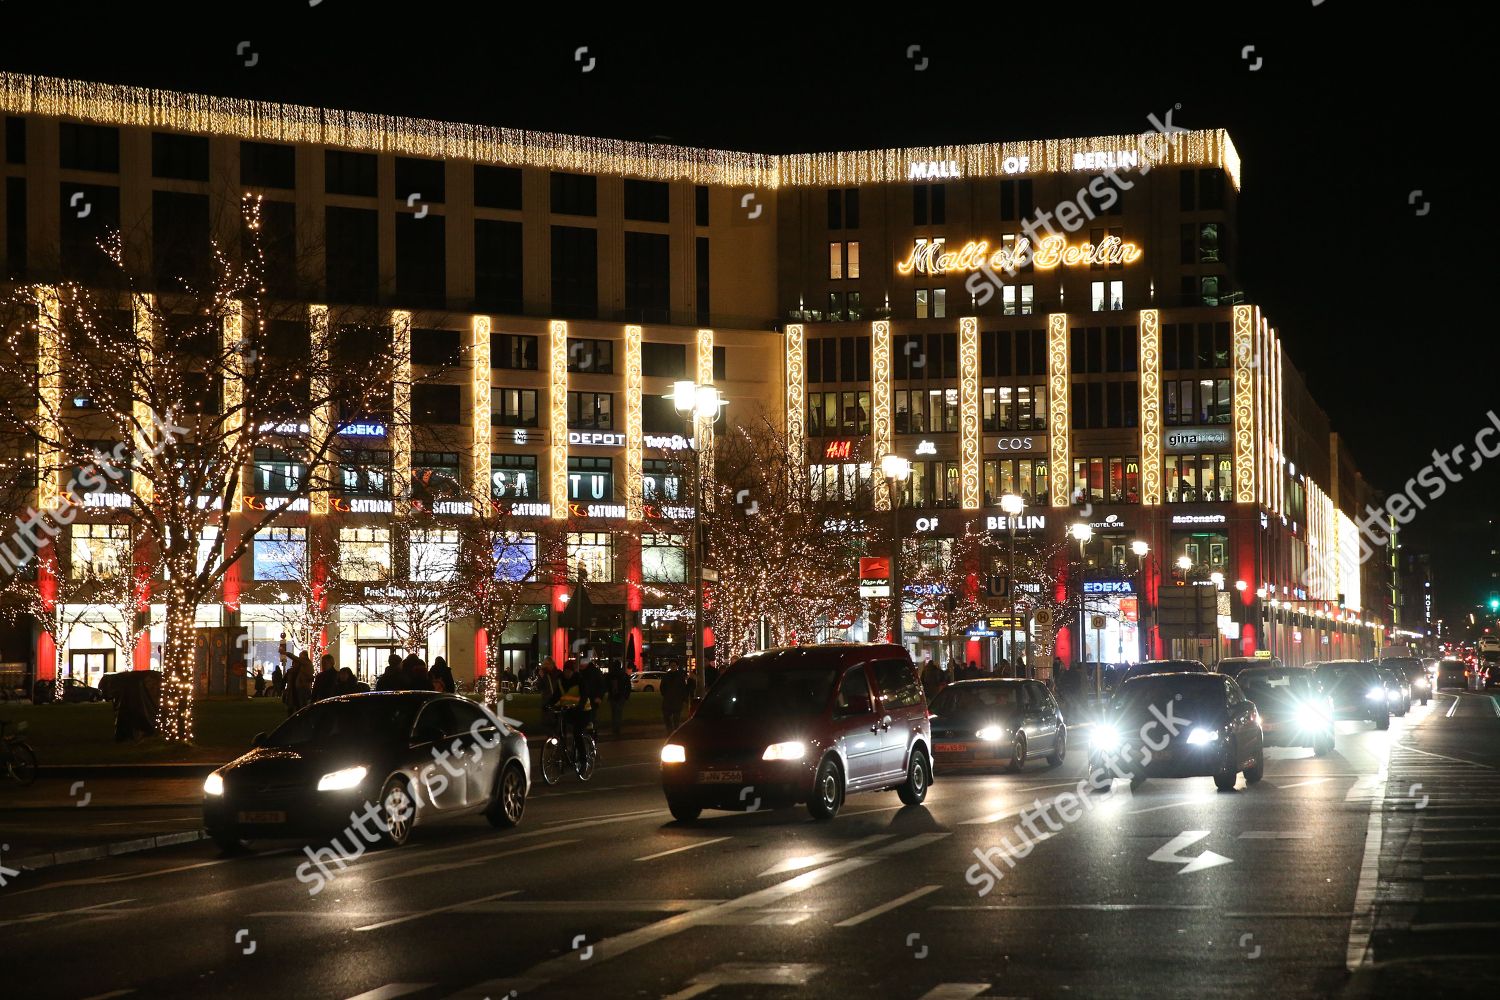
<point>932,303</point>
<point>575,271</point>
<point>279,473</point>
<point>836,307</point>
<point>1016,200</point>
<point>364,553</point>
<point>1199,478</point>
<point>433,554</point>
<point>648,277</point>
<point>513,477</point>
<point>591,479</point>
<point>1107,296</point>
<point>515,408</point>
<point>498,265</point>
<point>843,208</point>
<point>591,555</point>
<point>929,204</point>
<point>434,473</point>
<point>280,553</point>
<point>574,194</point>
<point>100,551</point>
<point>661,480</point>
<point>843,260</point>
<point>515,351</point>
<point>663,558</point>
<point>1024,476</point>
<point>1018,300</point>
<point>364,472</point>
<point>591,410</point>
<point>595,357</point>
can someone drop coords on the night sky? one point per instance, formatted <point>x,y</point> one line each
<point>1353,108</point>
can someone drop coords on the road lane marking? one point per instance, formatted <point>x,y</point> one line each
<point>747,974</point>
<point>1478,925</point>
<point>1456,760</point>
<point>874,912</point>
<point>111,994</point>
<point>390,991</point>
<point>1310,781</point>
<point>471,862</point>
<point>679,850</point>
<point>1195,800</point>
<point>955,991</point>
<point>799,862</point>
<point>552,969</point>
<point>880,809</point>
<point>1010,811</point>
<point>441,909</point>
<point>1362,920</point>
<point>602,816</point>
<point>1452,708</point>
<point>34,918</point>
<point>1275,835</point>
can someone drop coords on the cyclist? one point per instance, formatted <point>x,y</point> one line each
<point>564,697</point>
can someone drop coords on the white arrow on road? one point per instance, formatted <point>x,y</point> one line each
<point>1169,855</point>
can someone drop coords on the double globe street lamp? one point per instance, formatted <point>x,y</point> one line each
<point>1013,506</point>
<point>699,406</point>
<point>897,471</point>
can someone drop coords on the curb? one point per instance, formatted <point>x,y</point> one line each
<point>98,852</point>
<point>168,770</point>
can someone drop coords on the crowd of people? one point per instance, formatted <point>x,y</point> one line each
<point>301,685</point>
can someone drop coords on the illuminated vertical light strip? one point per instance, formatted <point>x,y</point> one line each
<point>796,394</point>
<point>320,421</point>
<point>703,428</point>
<point>142,307</point>
<point>1258,435</point>
<point>479,404</point>
<point>557,336</point>
<point>400,430</point>
<point>883,442</point>
<point>1276,417</point>
<point>968,412</point>
<point>1057,404</point>
<point>49,396</point>
<point>1244,403</point>
<point>1150,407</point>
<point>234,384</point>
<point>634,487</point>
<point>1263,442</point>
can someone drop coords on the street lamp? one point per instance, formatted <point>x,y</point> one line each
<point>1013,505</point>
<point>1082,532</point>
<point>1140,548</point>
<point>698,404</point>
<point>896,470</point>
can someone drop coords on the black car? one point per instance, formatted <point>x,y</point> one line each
<point>1294,711</point>
<point>1452,674</point>
<point>1415,672</point>
<point>1397,688</point>
<point>407,757</point>
<point>1145,667</point>
<point>1230,666</point>
<point>1179,725</point>
<point>74,692</point>
<point>982,723</point>
<point>1357,691</point>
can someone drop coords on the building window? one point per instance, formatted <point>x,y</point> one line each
<point>591,410</point>
<point>434,554</point>
<point>498,265</point>
<point>661,481</point>
<point>1107,479</point>
<point>848,482</point>
<point>364,553</point>
<point>1107,296</point>
<point>515,408</point>
<point>513,477</point>
<point>280,553</point>
<point>574,194</point>
<point>350,173</point>
<point>497,187</point>
<point>1018,300</point>
<point>268,165</point>
<point>88,147</point>
<point>929,204</point>
<point>932,303</point>
<point>434,474</point>
<point>648,277</point>
<point>591,554</point>
<point>664,360</point>
<point>843,208</point>
<point>647,201</point>
<point>843,260</point>
<point>514,351</point>
<point>594,357</point>
<point>1199,478</point>
<point>591,479</point>
<point>179,157</point>
<point>100,551</point>
<point>1026,477</point>
<point>427,179</point>
<point>364,472</point>
<point>421,260</point>
<point>278,472</point>
<point>575,272</point>
<point>514,555</point>
<point>830,413</point>
<point>663,558</point>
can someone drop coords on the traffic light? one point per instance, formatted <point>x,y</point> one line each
<point>1494,602</point>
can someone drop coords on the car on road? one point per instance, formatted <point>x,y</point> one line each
<point>74,692</point>
<point>1145,667</point>
<point>1230,666</point>
<point>804,724</point>
<point>1294,711</point>
<point>1179,725</point>
<point>1411,668</point>
<point>1451,674</point>
<point>984,723</point>
<point>410,758</point>
<point>1357,691</point>
<point>647,680</point>
<point>1397,689</point>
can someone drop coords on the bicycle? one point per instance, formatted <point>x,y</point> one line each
<point>557,752</point>
<point>16,755</point>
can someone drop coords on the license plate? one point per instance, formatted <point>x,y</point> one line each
<point>263,816</point>
<point>719,777</point>
<point>952,748</point>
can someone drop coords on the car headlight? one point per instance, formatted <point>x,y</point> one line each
<point>349,777</point>
<point>1107,738</point>
<point>1200,736</point>
<point>1393,695</point>
<point>1375,693</point>
<point>213,784</point>
<point>990,734</point>
<point>790,750</point>
<point>1311,716</point>
<point>673,753</point>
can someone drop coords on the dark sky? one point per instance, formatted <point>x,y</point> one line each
<point>1353,108</point>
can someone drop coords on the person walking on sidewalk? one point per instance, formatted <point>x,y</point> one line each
<point>674,692</point>
<point>326,684</point>
<point>392,679</point>
<point>619,693</point>
<point>441,676</point>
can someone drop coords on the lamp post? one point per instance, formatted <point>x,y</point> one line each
<point>1185,563</point>
<point>896,470</point>
<point>1082,533</point>
<point>1140,548</point>
<point>698,404</point>
<point>1013,505</point>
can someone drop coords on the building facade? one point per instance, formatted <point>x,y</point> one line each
<point>1059,320</point>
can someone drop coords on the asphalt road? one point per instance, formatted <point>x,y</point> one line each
<point>1333,877</point>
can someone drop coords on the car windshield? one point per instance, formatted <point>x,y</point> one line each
<point>357,720</point>
<point>1191,698</point>
<point>1265,684</point>
<point>975,699</point>
<point>752,692</point>
<point>1339,675</point>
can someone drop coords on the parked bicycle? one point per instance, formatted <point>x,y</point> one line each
<point>566,751</point>
<point>16,756</point>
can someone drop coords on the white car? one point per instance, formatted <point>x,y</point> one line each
<point>647,680</point>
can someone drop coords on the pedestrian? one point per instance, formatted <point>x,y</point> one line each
<point>674,690</point>
<point>296,691</point>
<point>973,670</point>
<point>277,681</point>
<point>593,688</point>
<point>260,681</point>
<point>349,684</point>
<point>440,676</point>
<point>932,679</point>
<point>326,683</point>
<point>619,693</point>
<point>415,672</point>
<point>392,679</point>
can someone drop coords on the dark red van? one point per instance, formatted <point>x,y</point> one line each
<point>802,724</point>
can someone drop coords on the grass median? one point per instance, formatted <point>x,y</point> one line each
<point>223,728</point>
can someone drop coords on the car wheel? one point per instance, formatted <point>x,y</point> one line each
<point>1258,771</point>
<point>1323,745</point>
<point>1059,747</point>
<point>828,790</point>
<point>398,813</point>
<point>1017,752</point>
<point>1225,779</point>
<point>510,798</point>
<point>914,790</point>
<point>683,811</point>
<point>1384,722</point>
<point>228,841</point>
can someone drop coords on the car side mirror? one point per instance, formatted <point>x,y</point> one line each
<point>258,740</point>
